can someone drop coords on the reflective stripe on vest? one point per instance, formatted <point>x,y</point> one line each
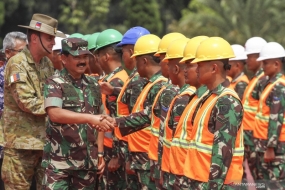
<point>250,104</point>
<point>108,138</point>
<point>242,78</point>
<point>139,141</point>
<point>167,137</point>
<point>154,129</point>
<point>181,139</point>
<point>123,109</point>
<point>200,148</point>
<point>263,114</point>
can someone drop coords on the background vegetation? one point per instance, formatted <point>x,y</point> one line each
<point>234,20</point>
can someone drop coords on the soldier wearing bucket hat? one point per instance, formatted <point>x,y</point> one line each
<point>79,158</point>
<point>23,118</point>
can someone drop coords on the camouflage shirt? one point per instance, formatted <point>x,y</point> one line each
<point>240,86</point>
<point>139,120</point>
<point>71,146</point>
<point>23,118</point>
<point>276,103</point>
<point>129,97</point>
<point>225,121</point>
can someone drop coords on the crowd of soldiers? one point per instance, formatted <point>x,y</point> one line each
<point>112,111</point>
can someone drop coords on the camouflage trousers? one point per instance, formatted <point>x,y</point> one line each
<point>166,183</point>
<point>271,174</point>
<point>124,156</point>
<point>55,179</point>
<point>145,180</point>
<point>251,157</point>
<point>180,182</point>
<point>113,180</point>
<point>155,173</point>
<point>19,167</point>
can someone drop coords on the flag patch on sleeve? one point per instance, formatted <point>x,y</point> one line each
<point>15,77</point>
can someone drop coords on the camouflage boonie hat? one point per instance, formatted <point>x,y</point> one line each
<point>75,46</point>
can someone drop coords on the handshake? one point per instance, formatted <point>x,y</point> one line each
<point>102,122</point>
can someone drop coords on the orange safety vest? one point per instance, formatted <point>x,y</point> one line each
<point>262,116</point>
<point>123,75</point>
<point>139,141</point>
<point>167,137</point>
<point>242,78</point>
<point>250,104</point>
<point>198,159</point>
<point>122,109</point>
<point>155,124</point>
<point>181,138</point>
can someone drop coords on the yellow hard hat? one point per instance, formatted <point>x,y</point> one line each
<point>166,40</point>
<point>176,49</point>
<point>191,48</point>
<point>146,44</point>
<point>213,48</point>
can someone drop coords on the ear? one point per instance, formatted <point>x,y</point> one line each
<point>8,53</point>
<point>215,68</point>
<point>34,38</point>
<point>177,69</point>
<point>63,59</point>
<point>131,51</point>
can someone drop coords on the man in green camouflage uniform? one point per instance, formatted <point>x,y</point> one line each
<point>129,95</point>
<point>110,60</point>
<point>72,100</point>
<point>23,118</point>
<point>140,120</point>
<point>226,115</point>
<point>271,161</point>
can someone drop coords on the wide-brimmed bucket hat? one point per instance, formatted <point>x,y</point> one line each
<point>44,24</point>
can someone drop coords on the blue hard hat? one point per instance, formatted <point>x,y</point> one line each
<point>132,35</point>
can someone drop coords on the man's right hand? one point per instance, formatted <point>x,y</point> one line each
<point>106,88</point>
<point>101,122</point>
<point>128,168</point>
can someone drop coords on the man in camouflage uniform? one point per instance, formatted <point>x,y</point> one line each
<point>239,80</point>
<point>110,60</point>
<point>224,121</point>
<point>23,118</point>
<point>74,150</point>
<point>160,108</point>
<point>269,144</point>
<point>129,94</point>
<point>148,67</point>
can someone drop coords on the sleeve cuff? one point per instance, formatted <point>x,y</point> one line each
<point>53,102</point>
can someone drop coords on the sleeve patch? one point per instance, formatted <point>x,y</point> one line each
<point>15,77</point>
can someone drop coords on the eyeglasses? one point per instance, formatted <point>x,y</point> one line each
<point>19,50</point>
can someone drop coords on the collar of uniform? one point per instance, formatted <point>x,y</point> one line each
<point>183,88</point>
<point>110,75</point>
<point>201,90</point>
<point>155,76</point>
<point>28,55</point>
<point>65,74</point>
<point>240,75</point>
<point>133,72</point>
<point>277,76</point>
<point>259,72</point>
<point>219,89</point>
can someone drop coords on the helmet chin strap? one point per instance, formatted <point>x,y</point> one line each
<point>39,34</point>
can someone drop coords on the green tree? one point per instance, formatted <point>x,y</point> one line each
<point>234,20</point>
<point>143,13</point>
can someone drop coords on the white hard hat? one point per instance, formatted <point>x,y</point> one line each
<point>270,51</point>
<point>239,52</point>
<point>57,45</point>
<point>254,45</point>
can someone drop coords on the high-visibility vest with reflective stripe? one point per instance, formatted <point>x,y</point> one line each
<point>167,137</point>
<point>123,109</point>
<point>181,138</point>
<point>242,78</point>
<point>123,75</point>
<point>262,117</point>
<point>198,160</point>
<point>139,141</point>
<point>250,104</point>
<point>154,130</point>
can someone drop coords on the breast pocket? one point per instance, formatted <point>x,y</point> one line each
<point>71,105</point>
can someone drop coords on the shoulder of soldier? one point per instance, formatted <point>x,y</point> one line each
<point>228,102</point>
<point>279,88</point>
<point>241,84</point>
<point>17,59</point>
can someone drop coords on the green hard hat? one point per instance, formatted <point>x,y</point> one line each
<point>107,37</point>
<point>76,35</point>
<point>92,40</point>
<point>85,37</point>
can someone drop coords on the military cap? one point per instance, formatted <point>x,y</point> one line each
<point>75,46</point>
